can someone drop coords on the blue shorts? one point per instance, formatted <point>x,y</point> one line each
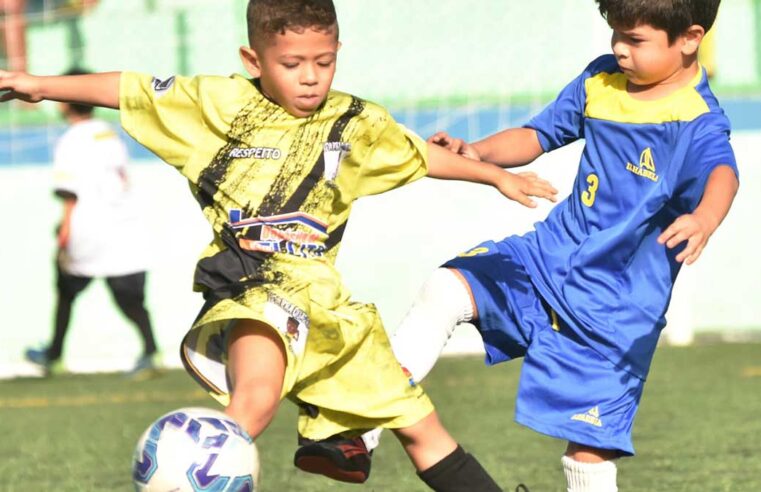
<point>567,390</point>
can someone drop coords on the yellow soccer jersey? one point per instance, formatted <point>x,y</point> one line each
<point>269,182</point>
<point>277,191</point>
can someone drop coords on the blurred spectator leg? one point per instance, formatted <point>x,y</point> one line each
<point>14,33</point>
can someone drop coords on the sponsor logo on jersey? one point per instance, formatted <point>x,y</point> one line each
<point>297,233</point>
<point>161,86</point>
<point>591,417</point>
<point>256,153</point>
<point>646,167</point>
<point>333,154</point>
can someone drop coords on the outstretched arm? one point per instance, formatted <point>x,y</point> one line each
<point>98,89</point>
<point>443,164</point>
<point>696,228</point>
<point>509,148</point>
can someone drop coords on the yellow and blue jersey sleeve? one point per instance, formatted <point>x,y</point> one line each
<point>562,122</point>
<point>709,149</point>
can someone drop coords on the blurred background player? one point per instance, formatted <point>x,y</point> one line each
<point>582,298</point>
<point>100,234</point>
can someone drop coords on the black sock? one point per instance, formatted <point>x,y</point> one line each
<point>459,472</point>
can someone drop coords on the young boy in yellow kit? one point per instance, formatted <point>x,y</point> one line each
<point>275,163</point>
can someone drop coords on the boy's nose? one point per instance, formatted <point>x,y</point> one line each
<point>619,50</point>
<point>309,76</point>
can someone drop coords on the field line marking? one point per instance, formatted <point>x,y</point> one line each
<point>91,400</point>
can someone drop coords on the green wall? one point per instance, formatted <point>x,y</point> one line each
<point>395,51</point>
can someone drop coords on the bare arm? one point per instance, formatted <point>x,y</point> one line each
<point>510,148</point>
<point>696,228</point>
<point>98,89</point>
<point>443,164</point>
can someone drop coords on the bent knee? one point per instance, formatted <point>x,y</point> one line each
<point>589,454</point>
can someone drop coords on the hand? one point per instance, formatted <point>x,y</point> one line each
<point>456,145</point>
<point>694,228</point>
<point>521,186</point>
<point>19,85</point>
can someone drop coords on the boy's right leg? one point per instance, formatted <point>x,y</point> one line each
<point>440,462</point>
<point>68,287</point>
<point>443,302</point>
<point>256,368</point>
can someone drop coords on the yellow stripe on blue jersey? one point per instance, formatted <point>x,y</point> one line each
<point>277,191</point>
<point>608,99</point>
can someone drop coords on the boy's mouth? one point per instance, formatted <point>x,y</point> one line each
<point>310,97</point>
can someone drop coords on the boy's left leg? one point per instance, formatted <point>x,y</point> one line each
<point>440,462</point>
<point>129,293</point>
<point>589,469</point>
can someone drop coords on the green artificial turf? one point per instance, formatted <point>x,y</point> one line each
<point>698,429</point>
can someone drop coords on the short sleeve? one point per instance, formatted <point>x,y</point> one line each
<point>396,157</point>
<point>709,149</point>
<point>562,122</point>
<point>66,171</point>
<point>164,116</point>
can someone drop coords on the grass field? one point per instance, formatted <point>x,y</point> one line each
<point>699,429</point>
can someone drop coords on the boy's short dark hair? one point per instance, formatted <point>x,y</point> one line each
<point>83,109</point>
<point>265,18</point>
<point>673,16</point>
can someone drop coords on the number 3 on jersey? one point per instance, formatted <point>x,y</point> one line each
<point>588,197</point>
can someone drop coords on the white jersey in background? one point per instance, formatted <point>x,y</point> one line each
<point>106,237</point>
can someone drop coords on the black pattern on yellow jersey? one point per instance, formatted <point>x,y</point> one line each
<point>269,183</point>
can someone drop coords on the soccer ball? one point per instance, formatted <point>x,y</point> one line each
<point>195,449</point>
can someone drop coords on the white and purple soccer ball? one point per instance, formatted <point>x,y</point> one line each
<point>195,449</point>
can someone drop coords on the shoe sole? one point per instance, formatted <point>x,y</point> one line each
<point>323,466</point>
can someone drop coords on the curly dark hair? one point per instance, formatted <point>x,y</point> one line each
<point>673,16</point>
<point>266,18</point>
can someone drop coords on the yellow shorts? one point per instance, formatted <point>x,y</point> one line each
<point>339,358</point>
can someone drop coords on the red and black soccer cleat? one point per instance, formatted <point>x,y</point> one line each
<point>337,457</point>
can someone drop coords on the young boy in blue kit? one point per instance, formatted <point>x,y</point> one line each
<point>275,163</point>
<point>582,298</point>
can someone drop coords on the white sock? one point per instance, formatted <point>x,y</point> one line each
<point>590,477</point>
<point>442,303</point>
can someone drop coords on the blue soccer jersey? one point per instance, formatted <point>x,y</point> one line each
<point>595,259</point>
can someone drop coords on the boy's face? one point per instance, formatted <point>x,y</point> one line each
<point>295,69</point>
<point>647,58</point>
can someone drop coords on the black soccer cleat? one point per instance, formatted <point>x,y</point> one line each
<point>337,457</point>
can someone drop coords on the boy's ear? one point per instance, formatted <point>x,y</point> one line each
<point>250,61</point>
<point>692,38</point>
